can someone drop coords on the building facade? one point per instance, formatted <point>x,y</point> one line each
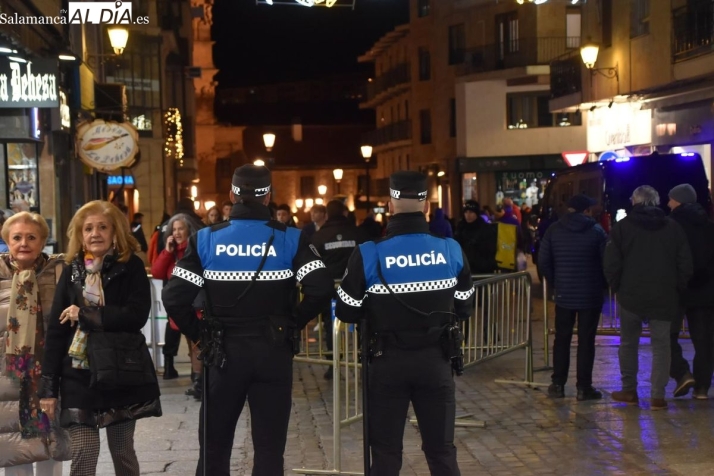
<point>650,86</point>
<point>454,90</point>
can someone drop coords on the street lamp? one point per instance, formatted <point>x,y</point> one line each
<point>337,173</point>
<point>269,141</point>
<point>322,189</point>
<point>259,162</point>
<point>367,155</point>
<point>118,36</point>
<point>588,53</point>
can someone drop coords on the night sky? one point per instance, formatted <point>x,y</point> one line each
<point>262,44</point>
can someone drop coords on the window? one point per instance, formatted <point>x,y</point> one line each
<point>406,109</point>
<point>424,64</point>
<point>606,23</point>
<point>423,8</point>
<point>307,187</point>
<point>507,34</point>
<point>452,117</point>
<point>457,43</point>
<point>639,17</point>
<point>425,126</point>
<point>528,110</point>
<point>572,28</point>
<point>140,72</point>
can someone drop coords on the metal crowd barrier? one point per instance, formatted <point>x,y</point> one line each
<point>346,392</point>
<point>500,324</point>
<point>156,324</point>
<point>609,324</point>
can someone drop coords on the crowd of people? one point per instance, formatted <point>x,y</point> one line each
<point>660,267</point>
<point>73,320</point>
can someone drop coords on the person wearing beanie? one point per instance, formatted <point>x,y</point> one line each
<point>407,286</point>
<point>697,299</point>
<point>477,238</point>
<point>248,268</point>
<point>570,259</point>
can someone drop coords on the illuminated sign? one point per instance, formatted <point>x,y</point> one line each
<point>28,83</point>
<point>118,180</point>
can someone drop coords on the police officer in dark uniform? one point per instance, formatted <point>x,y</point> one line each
<point>335,241</point>
<point>248,267</point>
<point>410,286</point>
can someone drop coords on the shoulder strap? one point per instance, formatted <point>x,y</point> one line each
<point>392,293</point>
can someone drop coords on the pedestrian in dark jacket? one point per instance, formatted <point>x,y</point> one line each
<point>478,239</point>
<point>371,226</point>
<point>698,299</point>
<point>648,264</point>
<point>570,259</point>
<point>439,225</point>
<point>103,289</point>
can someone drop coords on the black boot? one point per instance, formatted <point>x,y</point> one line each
<point>169,370</point>
<point>198,387</point>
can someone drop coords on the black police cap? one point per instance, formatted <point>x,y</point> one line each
<point>407,184</point>
<point>251,180</point>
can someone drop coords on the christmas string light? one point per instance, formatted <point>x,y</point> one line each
<point>174,135</point>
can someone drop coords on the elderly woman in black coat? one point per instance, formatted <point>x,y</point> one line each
<point>104,288</point>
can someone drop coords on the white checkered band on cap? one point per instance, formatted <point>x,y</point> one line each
<point>396,194</point>
<point>258,192</point>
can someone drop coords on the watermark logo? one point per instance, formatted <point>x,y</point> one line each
<point>99,13</point>
<point>104,13</point>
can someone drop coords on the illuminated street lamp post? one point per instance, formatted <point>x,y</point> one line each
<point>337,173</point>
<point>367,155</point>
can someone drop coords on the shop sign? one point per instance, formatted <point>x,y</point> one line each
<point>118,180</point>
<point>619,126</point>
<point>107,146</point>
<point>30,84</point>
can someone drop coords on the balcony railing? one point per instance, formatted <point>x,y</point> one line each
<point>516,53</point>
<point>693,30</point>
<point>565,75</point>
<point>397,131</point>
<point>400,74</point>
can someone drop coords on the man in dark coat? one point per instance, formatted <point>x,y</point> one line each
<point>478,239</point>
<point>336,239</point>
<point>138,232</point>
<point>698,299</point>
<point>570,259</point>
<point>648,264</point>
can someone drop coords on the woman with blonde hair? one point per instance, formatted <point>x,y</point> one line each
<point>27,285</point>
<point>213,216</point>
<point>104,290</point>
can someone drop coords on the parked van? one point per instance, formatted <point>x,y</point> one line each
<point>612,182</point>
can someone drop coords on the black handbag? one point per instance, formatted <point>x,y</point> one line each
<point>119,360</point>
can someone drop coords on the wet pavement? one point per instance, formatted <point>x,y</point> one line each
<point>526,432</point>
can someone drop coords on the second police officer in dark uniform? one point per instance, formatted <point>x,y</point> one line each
<point>255,316</point>
<point>409,286</point>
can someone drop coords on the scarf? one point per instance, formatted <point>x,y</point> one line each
<point>92,295</point>
<point>25,346</point>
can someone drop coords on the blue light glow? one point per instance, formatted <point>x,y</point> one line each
<point>687,154</point>
<point>622,159</point>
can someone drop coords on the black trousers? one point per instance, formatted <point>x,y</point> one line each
<point>587,329</point>
<point>424,378</point>
<point>262,373</point>
<point>172,341</point>
<point>701,330</point>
